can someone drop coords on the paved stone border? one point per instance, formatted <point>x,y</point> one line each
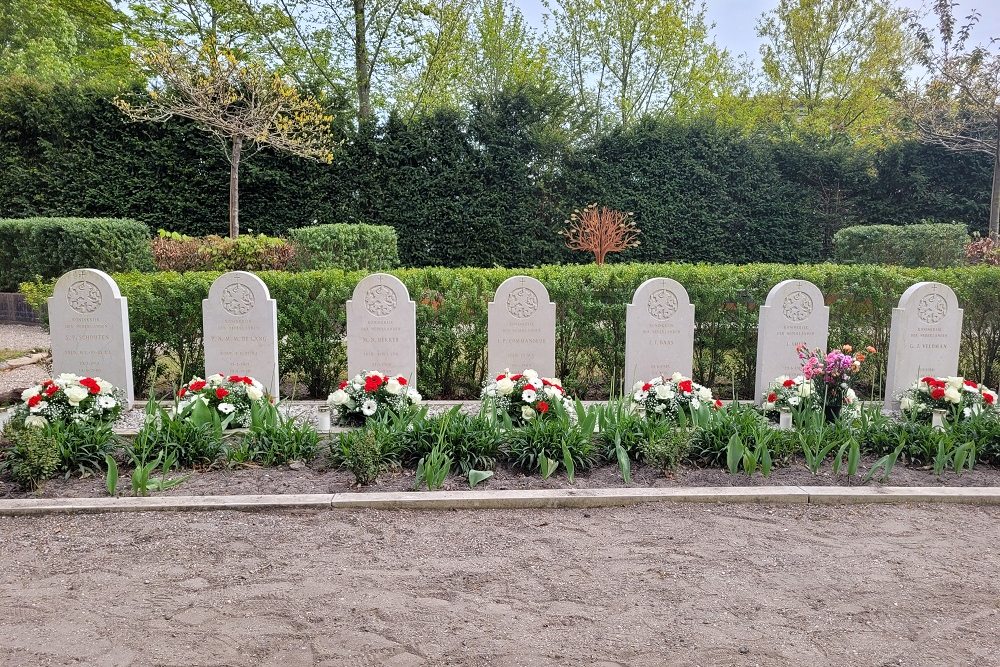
<point>540,498</point>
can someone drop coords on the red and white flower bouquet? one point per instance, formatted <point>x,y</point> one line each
<point>70,398</point>
<point>668,397</point>
<point>373,393</point>
<point>523,396</point>
<point>232,396</point>
<point>957,396</point>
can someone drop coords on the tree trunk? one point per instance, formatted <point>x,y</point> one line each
<point>362,67</point>
<point>995,196</point>
<point>234,188</point>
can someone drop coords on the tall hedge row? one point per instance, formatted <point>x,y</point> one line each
<point>484,188</point>
<point>165,315</point>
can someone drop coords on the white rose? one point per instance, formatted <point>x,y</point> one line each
<point>216,379</point>
<point>705,394</point>
<point>505,387</point>
<point>676,377</point>
<point>952,394</point>
<point>67,378</point>
<point>529,396</point>
<point>414,395</point>
<point>369,407</point>
<point>906,404</point>
<point>955,382</point>
<point>227,408</point>
<point>530,374</point>
<point>29,393</point>
<point>527,413</point>
<point>35,421</point>
<point>253,393</point>
<point>551,392</point>
<point>104,386</point>
<point>663,392</point>
<point>393,387</point>
<point>75,394</point>
<point>338,398</point>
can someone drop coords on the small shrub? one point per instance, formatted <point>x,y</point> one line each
<point>175,252</point>
<point>349,247</point>
<point>368,451</point>
<point>983,251</point>
<point>32,455</point>
<point>926,244</point>
<point>49,247</point>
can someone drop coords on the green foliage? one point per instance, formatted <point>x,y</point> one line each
<point>49,247</point>
<point>625,436</point>
<point>188,442</point>
<point>433,469</point>
<point>82,445</point>
<point>738,436</point>
<point>355,247</point>
<point>368,451</point>
<point>32,455</point>
<point>143,480</point>
<point>929,245</point>
<point>541,443</point>
<point>472,443</point>
<point>165,318</point>
<point>111,481</point>
<point>177,252</point>
<point>274,439</point>
<point>478,476</point>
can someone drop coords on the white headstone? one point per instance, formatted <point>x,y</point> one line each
<point>382,328</point>
<point>88,321</point>
<point>793,313</point>
<point>522,328</point>
<point>659,331</point>
<point>923,339</point>
<point>241,329</point>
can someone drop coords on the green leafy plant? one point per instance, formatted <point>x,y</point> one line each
<point>566,436</point>
<point>433,469</point>
<point>274,439</point>
<point>190,439</point>
<point>32,455</point>
<point>368,451</point>
<point>111,481</point>
<point>143,481</point>
<point>476,477</point>
<point>547,466</point>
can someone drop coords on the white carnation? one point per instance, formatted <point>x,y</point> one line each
<point>29,393</point>
<point>40,406</point>
<point>906,403</point>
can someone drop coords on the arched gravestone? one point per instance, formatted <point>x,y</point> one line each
<point>659,331</point>
<point>382,328</point>
<point>923,339</point>
<point>794,312</point>
<point>88,322</point>
<point>241,329</point>
<point>522,328</point>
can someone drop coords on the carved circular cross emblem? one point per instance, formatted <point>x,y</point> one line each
<point>237,299</point>
<point>797,306</point>
<point>380,300</point>
<point>662,304</point>
<point>83,296</point>
<point>522,303</point>
<point>932,308</point>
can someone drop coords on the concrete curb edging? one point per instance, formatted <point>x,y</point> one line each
<point>538,498</point>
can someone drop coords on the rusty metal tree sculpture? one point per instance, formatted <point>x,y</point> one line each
<point>600,230</point>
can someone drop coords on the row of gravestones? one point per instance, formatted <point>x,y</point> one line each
<point>90,330</point>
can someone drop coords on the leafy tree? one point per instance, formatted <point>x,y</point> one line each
<point>505,54</point>
<point>958,108</point>
<point>834,65</point>
<point>238,102</point>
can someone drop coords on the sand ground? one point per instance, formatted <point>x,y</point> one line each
<point>644,585</point>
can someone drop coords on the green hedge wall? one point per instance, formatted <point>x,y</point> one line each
<point>933,245</point>
<point>49,247</point>
<point>346,247</point>
<point>165,314</point>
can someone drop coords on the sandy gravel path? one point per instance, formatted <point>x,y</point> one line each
<point>645,585</point>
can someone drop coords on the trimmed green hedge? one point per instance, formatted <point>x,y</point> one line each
<point>165,314</point>
<point>926,244</point>
<point>347,247</point>
<point>49,247</point>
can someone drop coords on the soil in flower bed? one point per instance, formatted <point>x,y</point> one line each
<point>319,477</point>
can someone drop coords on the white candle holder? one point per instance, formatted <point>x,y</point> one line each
<point>937,419</point>
<point>323,418</point>
<point>785,419</point>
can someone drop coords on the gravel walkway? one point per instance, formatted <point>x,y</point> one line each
<point>22,338</point>
<point>735,585</point>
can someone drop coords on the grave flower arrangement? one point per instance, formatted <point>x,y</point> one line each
<point>832,375</point>
<point>523,396</point>
<point>957,396</point>
<point>668,397</point>
<point>372,393</point>
<point>229,396</point>
<point>791,393</point>
<point>70,398</point>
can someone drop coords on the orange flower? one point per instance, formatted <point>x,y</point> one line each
<point>847,349</point>
<point>860,357</point>
<point>871,350</point>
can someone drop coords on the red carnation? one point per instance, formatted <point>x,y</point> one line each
<point>221,392</point>
<point>685,386</point>
<point>988,398</point>
<point>51,389</point>
<point>542,406</point>
<point>372,382</point>
<point>401,380</point>
<point>501,376</point>
<point>181,392</point>
<point>937,393</point>
<point>247,380</point>
<point>45,383</point>
<point>91,384</point>
<point>971,383</point>
<point>772,397</point>
<point>788,383</point>
<point>198,385</point>
<point>517,377</point>
<point>718,404</point>
<point>34,400</point>
<point>343,384</point>
<point>647,387</point>
<point>927,380</point>
<point>235,378</point>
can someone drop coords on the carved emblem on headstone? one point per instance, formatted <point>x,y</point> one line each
<point>522,303</point>
<point>380,300</point>
<point>662,304</point>
<point>798,306</point>
<point>237,299</point>
<point>932,308</point>
<point>83,296</point>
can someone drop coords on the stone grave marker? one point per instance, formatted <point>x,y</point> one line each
<point>241,329</point>
<point>659,331</point>
<point>522,328</point>
<point>382,328</point>
<point>794,312</point>
<point>88,322</point>
<point>924,338</point>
